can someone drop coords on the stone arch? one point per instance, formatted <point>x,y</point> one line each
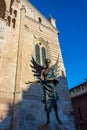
<point>2,8</point>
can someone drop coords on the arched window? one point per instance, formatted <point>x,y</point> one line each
<point>37,52</point>
<point>2,8</point>
<point>40,21</point>
<point>15,13</point>
<point>9,20</point>
<point>14,22</point>
<point>43,56</point>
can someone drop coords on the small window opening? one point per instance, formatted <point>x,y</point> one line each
<point>9,20</point>
<point>14,22</point>
<point>40,21</point>
<point>15,13</point>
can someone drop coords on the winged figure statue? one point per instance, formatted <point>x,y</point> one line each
<point>38,69</point>
<point>48,78</point>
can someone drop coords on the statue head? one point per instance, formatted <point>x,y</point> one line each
<point>47,62</point>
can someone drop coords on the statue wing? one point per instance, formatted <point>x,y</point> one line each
<point>56,67</point>
<point>36,68</point>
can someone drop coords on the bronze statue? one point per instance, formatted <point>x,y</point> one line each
<point>47,77</point>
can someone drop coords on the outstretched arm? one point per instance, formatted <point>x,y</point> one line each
<point>32,82</point>
<point>50,79</point>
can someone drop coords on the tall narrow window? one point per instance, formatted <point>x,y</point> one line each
<point>14,22</point>
<point>9,20</point>
<point>2,8</point>
<point>40,21</point>
<point>43,56</point>
<point>37,52</point>
<point>15,13</point>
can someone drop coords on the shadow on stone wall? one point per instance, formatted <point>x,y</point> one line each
<point>31,113</point>
<point>6,118</point>
<point>28,110</point>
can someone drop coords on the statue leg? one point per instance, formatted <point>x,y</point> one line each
<point>48,120</point>
<point>56,113</point>
<point>47,113</point>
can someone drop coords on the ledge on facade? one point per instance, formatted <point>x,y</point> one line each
<point>78,94</point>
<point>78,90</point>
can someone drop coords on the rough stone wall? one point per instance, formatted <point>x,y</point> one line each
<point>20,104</point>
<point>9,40</point>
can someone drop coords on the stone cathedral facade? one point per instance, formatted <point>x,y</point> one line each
<point>25,32</point>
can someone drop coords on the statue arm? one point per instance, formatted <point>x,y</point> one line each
<point>42,78</point>
<point>50,79</point>
<point>32,82</point>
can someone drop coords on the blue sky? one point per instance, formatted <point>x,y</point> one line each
<point>71,21</point>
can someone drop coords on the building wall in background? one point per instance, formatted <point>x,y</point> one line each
<point>79,101</point>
